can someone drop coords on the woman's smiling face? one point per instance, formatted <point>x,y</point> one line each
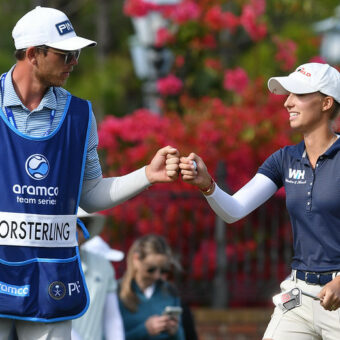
<point>305,110</point>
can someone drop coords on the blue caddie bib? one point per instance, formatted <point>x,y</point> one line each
<point>40,272</point>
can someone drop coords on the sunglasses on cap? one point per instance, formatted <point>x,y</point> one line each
<point>162,270</point>
<point>68,55</point>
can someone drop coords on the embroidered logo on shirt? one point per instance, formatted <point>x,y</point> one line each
<point>57,290</point>
<point>37,166</point>
<point>296,174</point>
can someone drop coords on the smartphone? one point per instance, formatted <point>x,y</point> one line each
<point>172,311</point>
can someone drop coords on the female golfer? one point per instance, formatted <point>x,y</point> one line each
<point>310,174</point>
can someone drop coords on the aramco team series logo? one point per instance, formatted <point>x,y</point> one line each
<point>37,166</point>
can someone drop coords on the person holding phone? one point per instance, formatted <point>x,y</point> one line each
<point>147,303</point>
<point>185,313</point>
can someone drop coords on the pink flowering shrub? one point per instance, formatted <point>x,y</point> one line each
<point>317,59</point>
<point>215,19</point>
<point>179,61</point>
<point>218,132</point>
<point>286,53</point>
<point>164,37</point>
<point>203,43</point>
<point>235,80</point>
<point>251,19</point>
<point>213,64</point>
<point>186,10</point>
<point>138,8</point>
<point>169,86</point>
<point>215,103</point>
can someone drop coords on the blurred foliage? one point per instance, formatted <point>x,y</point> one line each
<point>111,84</point>
<point>222,111</point>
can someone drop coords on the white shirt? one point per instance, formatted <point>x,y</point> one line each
<point>103,319</point>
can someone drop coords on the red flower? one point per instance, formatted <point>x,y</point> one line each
<point>213,18</point>
<point>205,260</point>
<point>137,8</point>
<point>317,59</point>
<point>170,85</point>
<point>258,6</point>
<point>164,37</point>
<point>230,21</point>
<point>249,20</point>
<point>179,61</point>
<point>235,80</point>
<point>185,11</point>
<point>216,19</point>
<point>214,64</point>
<point>202,43</point>
<point>208,42</point>
<point>286,53</point>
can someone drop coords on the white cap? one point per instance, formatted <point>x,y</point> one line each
<point>50,27</point>
<point>98,246</point>
<point>309,78</point>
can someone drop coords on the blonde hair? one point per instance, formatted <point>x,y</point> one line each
<point>144,246</point>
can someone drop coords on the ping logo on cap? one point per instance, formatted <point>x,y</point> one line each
<point>64,27</point>
<point>303,71</point>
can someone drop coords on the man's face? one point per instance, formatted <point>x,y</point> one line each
<point>51,68</point>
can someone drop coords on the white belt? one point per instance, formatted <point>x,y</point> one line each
<point>20,229</point>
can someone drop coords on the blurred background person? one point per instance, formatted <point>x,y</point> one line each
<point>102,321</point>
<point>143,295</point>
<point>187,317</point>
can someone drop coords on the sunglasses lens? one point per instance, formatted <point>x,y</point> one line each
<point>151,270</point>
<point>69,56</point>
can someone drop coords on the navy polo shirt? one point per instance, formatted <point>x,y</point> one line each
<point>313,203</point>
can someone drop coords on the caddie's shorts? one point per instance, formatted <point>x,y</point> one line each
<point>29,330</point>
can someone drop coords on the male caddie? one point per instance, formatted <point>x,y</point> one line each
<point>49,165</point>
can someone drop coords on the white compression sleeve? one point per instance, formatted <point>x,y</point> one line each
<point>232,208</point>
<point>104,193</point>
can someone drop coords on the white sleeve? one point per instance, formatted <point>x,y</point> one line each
<point>104,193</point>
<point>113,323</point>
<point>232,208</point>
